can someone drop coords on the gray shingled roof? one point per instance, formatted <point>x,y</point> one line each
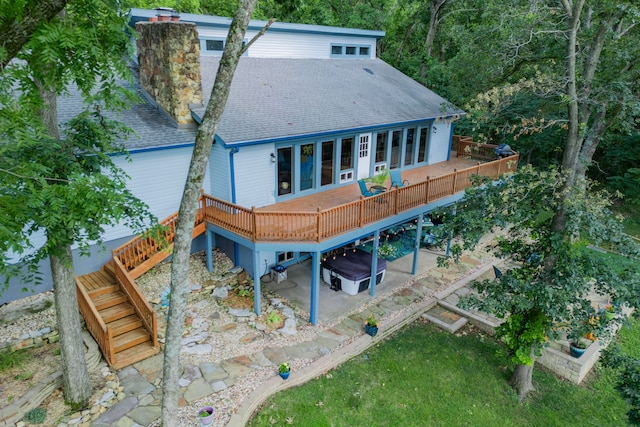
<point>280,98</point>
<point>152,127</point>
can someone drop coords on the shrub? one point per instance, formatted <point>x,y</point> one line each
<point>36,416</point>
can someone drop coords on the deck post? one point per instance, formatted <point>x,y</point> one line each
<point>416,249</point>
<point>256,282</point>
<point>374,263</point>
<point>314,302</point>
<point>209,250</point>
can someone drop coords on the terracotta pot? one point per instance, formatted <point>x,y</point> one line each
<point>153,19</point>
<point>163,18</point>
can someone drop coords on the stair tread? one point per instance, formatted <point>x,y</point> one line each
<point>130,339</point>
<point>125,324</point>
<point>109,299</point>
<point>134,354</point>
<point>116,312</point>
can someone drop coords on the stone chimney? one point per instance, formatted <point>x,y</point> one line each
<point>169,59</point>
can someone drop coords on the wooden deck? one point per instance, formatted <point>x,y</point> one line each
<point>348,193</point>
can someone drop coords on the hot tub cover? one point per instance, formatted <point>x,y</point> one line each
<point>354,265</point>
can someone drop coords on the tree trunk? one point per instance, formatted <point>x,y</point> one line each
<point>76,381</point>
<point>188,205</point>
<point>17,28</point>
<point>522,380</point>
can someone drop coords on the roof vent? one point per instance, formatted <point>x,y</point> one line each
<point>368,70</point>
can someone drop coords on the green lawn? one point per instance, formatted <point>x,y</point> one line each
<point>423,376</point>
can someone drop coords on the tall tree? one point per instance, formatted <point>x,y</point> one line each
<point>538,302</point>
<point>63,185</point>
<point>594,80</point>
<point>187,212</point>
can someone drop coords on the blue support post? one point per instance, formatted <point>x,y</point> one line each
<point>416,249</point>
<point>314,303</point>
<point>256,282</point>
<point>450,234</point>
<point>374,263</point>
<point>209,251</point>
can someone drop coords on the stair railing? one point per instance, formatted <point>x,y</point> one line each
<point>140,303</point>
<point>98,329</point>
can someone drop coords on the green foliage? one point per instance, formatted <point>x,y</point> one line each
<point>522,332</point>
<point>378,179</point>
<point>11,359</point>
<point>284,368</point>
<point>24,376</point>
<point>550,289</point>
<point>273,318</point>
<point>244,293</point>
<point>372,321</point>
<point>68,188</point>
<point>36,416</point>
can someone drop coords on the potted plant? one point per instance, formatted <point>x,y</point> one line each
<point>284,370</point>
<point>371,326</point>
<point>205,415</point>
<point>577,343</point>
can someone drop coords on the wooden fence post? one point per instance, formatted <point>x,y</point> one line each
<point>318,225</point>
<point>455,179</point>
<point>426,190</point>
<point>254,224</point>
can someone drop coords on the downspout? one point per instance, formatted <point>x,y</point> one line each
<point>232,167</point>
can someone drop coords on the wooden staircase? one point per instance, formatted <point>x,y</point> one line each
<point>116,313</point>
<point>127,338</point>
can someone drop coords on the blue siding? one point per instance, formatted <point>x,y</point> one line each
<point>440,142</point>
<point>255,176</point>
<point>219,183</point>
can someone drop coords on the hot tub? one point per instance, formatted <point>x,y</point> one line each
<point>351,273</point>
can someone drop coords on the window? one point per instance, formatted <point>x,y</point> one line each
<point>346,156</point>
<point>217,45</point>
<point>307,169</point>
<point>214,46</point>
<point>424,144</point>
<point>284,171</point>
<point>326,176</point>
<point>396,141</point>
<point>408,147</point>
<point>350,51</point>
<point>381,147</point>
<point>284,257</point>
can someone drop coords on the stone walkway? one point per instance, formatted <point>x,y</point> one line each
<point>140,405</point>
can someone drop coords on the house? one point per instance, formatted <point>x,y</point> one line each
<point>312,110</point>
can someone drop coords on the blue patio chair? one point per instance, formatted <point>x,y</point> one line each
<point>396,179</point>
<point>365,191</point>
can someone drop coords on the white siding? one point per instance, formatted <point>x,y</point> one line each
<point>219,183</point>
<point>255,176</point>
<point>294,45</point>
<point>439,142</point>
<point>157,178</point>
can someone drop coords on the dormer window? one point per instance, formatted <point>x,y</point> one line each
<point>214,46</point>
<point>350,51</point>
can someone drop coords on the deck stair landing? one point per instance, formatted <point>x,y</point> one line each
<point>445,319</point>
<point>131,341</point>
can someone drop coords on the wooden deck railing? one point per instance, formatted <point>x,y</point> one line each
<point>139,255</point>
<point>142,253</point>
<point>137,299</point>
<point>466,147</point>
<point>95,325</point>
<point>323,224</point>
